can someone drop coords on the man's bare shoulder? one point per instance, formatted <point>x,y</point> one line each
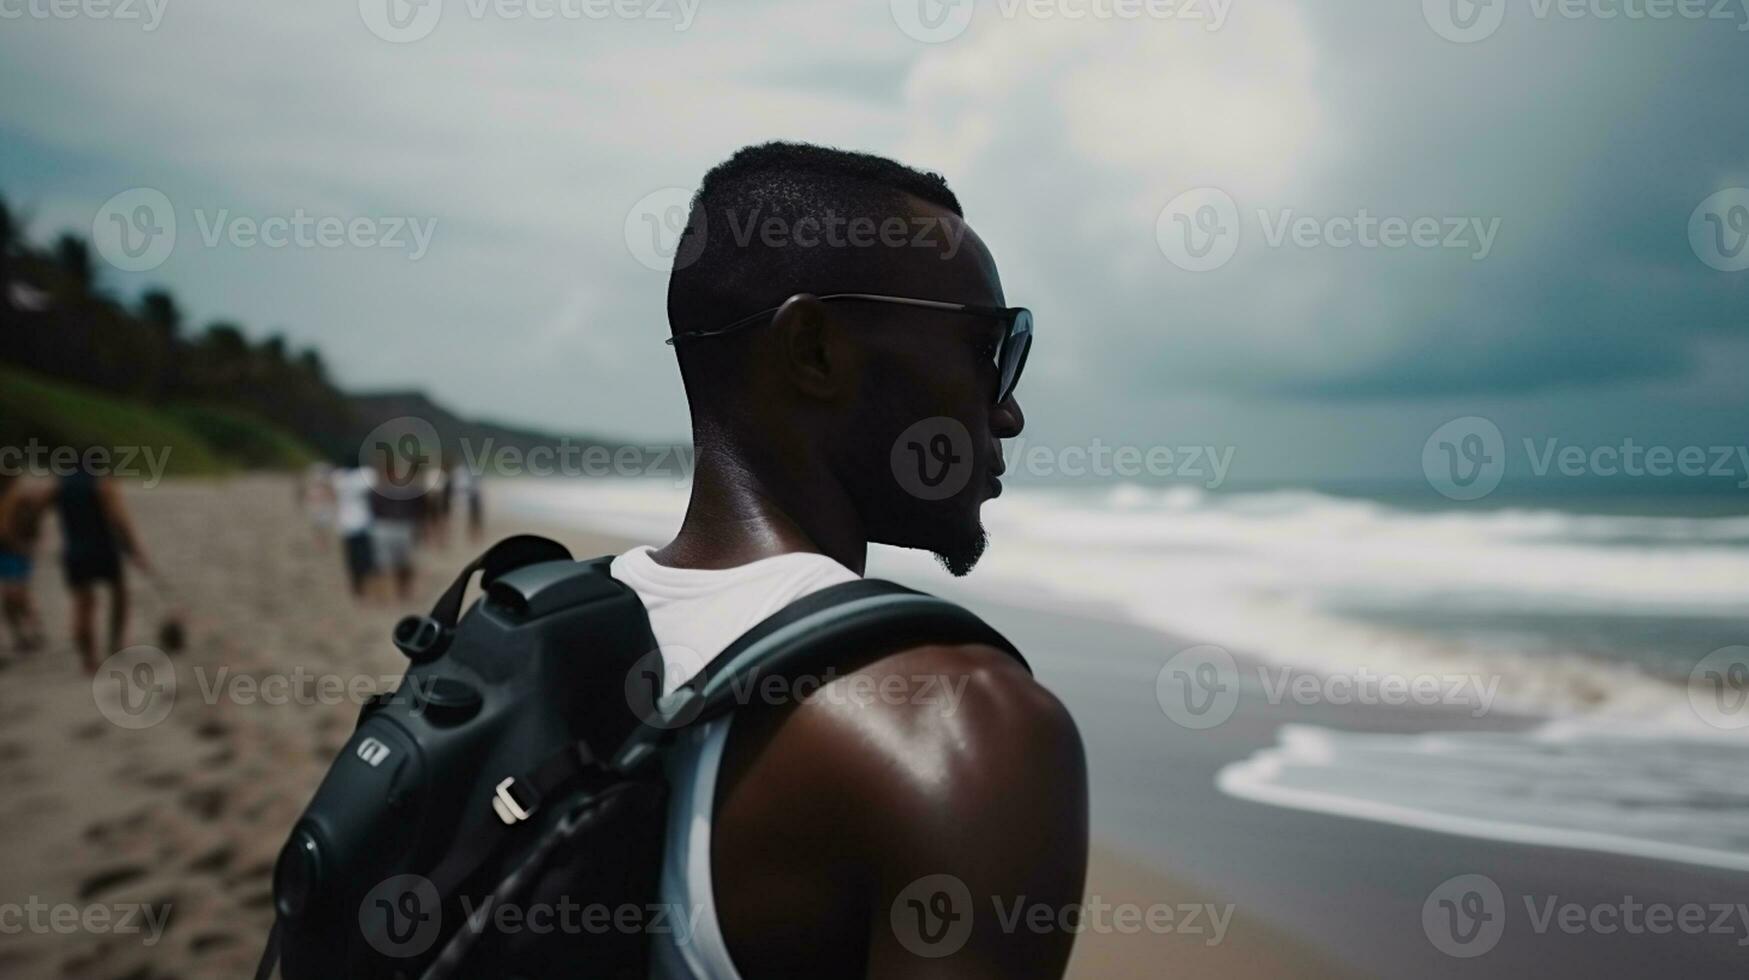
<point>935,760</point>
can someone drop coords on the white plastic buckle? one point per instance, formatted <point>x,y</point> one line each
<point>505,805</point>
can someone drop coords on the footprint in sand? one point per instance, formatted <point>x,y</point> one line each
<point>207,804</point>
<point>214,861</point>
<point>113,878</point>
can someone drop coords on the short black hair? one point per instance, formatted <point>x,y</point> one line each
<point>726,268</point>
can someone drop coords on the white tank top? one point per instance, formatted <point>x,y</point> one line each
<point>694,614</point>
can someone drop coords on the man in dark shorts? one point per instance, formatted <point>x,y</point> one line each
<point>96,533</point>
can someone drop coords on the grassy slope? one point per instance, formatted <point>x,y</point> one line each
<point>201,439</point>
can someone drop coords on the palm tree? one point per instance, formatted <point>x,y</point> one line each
<point>73,259</point>
<point>158,308</point>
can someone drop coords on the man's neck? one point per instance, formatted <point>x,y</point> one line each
<point>737,515</point>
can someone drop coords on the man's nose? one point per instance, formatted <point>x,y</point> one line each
<point>1007,421</point>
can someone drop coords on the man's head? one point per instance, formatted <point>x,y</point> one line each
<point>889,406</point>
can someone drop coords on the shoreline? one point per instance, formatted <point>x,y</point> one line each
<point>190,813</point>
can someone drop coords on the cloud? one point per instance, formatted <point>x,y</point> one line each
<point>1589,143</point>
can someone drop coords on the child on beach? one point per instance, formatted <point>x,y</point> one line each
<point>20,523</point>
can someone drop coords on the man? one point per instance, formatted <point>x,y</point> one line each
<point>96,534</point>
<point>351,486</point>
<point>845,836</point>
<point>397,516</point>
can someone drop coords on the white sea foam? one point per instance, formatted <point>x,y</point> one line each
<point>1638,793</point>
<point>1623,762</point>
<point>1279,575</point>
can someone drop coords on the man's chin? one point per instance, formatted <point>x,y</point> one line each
<point>960,557</point>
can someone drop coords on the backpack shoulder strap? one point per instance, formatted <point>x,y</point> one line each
<point>821,630</point>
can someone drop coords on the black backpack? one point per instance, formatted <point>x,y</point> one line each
<point>518,766</point>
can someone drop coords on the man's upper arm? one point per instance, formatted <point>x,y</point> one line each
<point>978,827</point>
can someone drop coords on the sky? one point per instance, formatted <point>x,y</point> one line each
<point>1310,232</point>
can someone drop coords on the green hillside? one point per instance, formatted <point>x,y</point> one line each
<point>201,439</point>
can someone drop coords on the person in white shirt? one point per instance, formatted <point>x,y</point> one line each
<point>843,396</point>
<point>352,485</point>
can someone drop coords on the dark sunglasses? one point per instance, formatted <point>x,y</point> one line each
<point>1011,352</point>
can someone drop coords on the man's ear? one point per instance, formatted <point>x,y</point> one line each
<point>804,346</point>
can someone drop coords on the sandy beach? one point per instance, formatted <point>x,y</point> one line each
<point>147,853</point>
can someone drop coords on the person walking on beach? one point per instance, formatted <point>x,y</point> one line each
<point>465,486</point>
<point>20,521</point>
<point>351,484</point>
<point>397,519</point>
<point>834,393</point>
<point>96,534</point>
